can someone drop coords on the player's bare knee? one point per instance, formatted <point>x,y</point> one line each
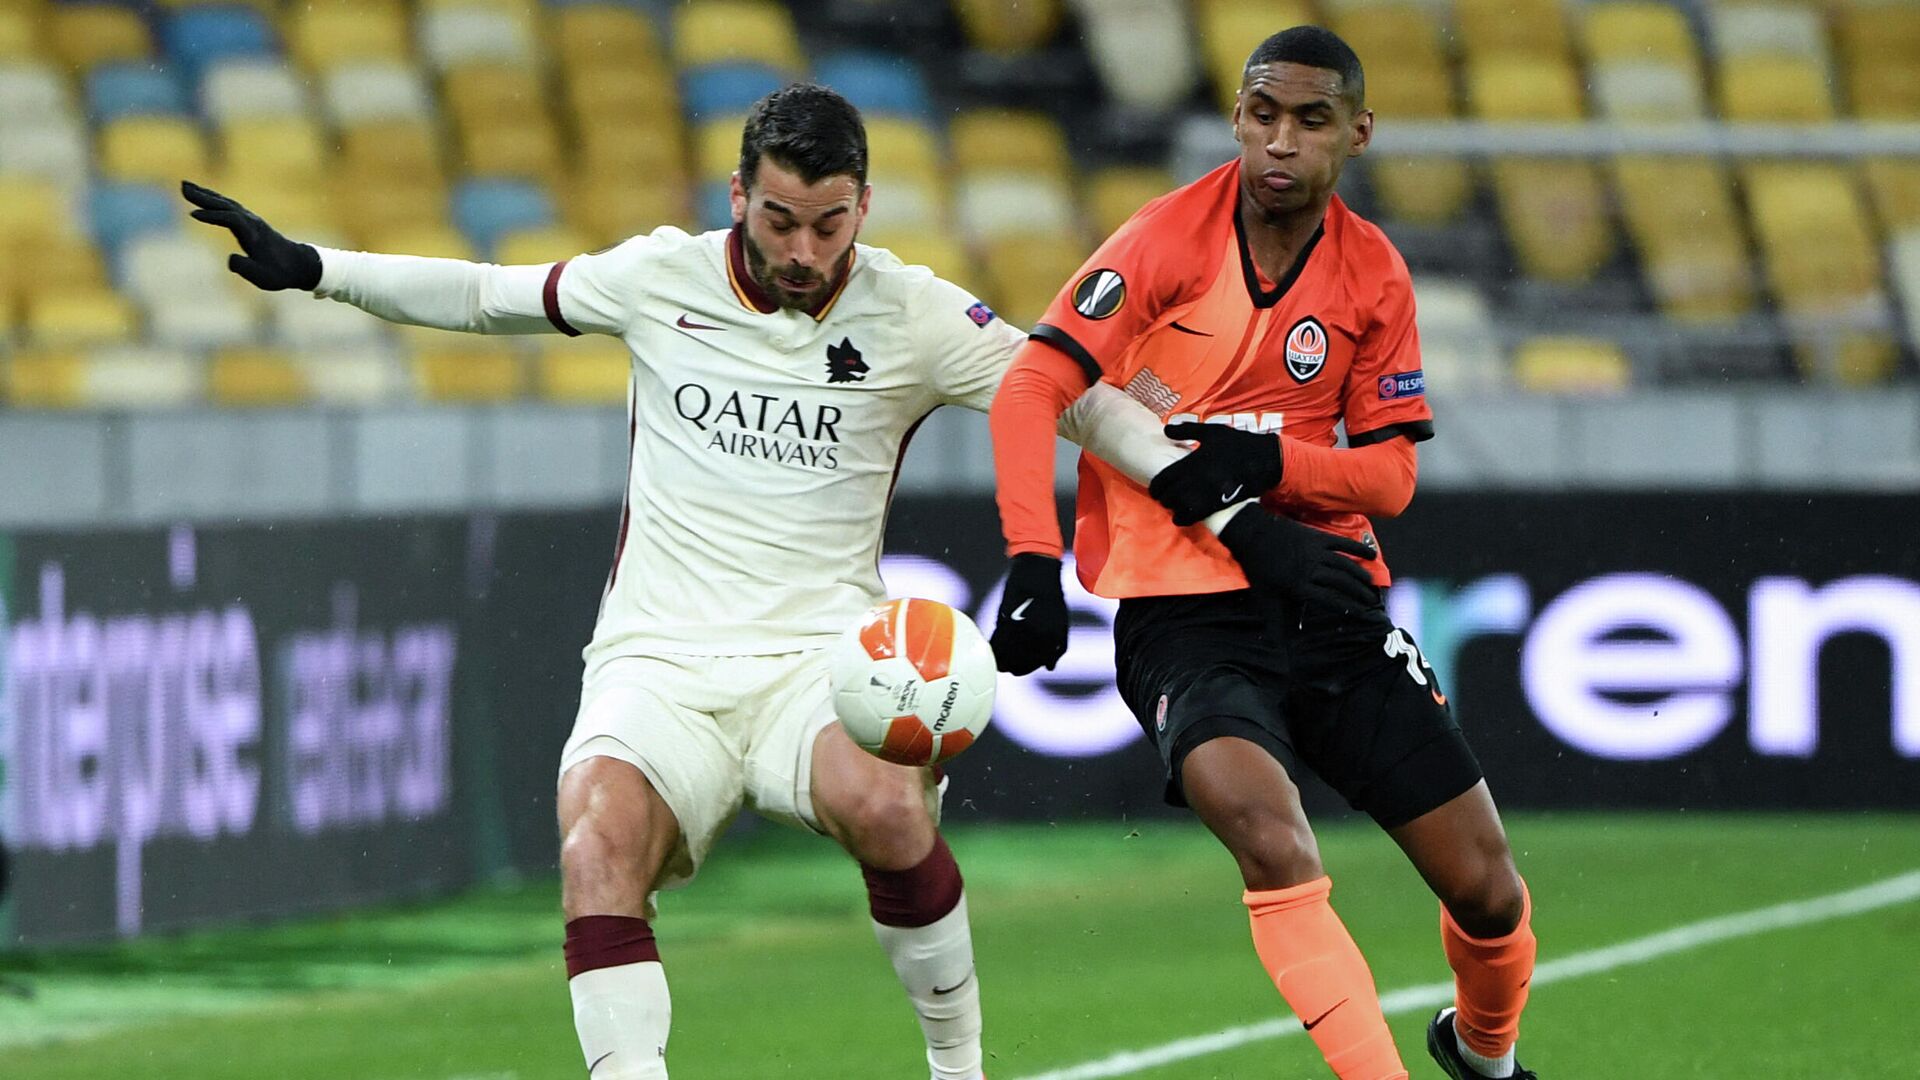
<point>886,824</point>
<point>1274,846</point>
<point>1491,904</point>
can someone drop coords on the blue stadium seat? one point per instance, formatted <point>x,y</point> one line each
<point>713,206</point>
<point>133,89</point>
<point>485,210</point>
<point>198,36</point>
<point>727,89</point>
<point>878,84</point>
<point>122,211</point>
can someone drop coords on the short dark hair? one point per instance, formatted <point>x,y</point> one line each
<point>807,128</point>
<point>1315,46</point>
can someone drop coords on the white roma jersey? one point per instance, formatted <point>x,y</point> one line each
<point>765,440</point>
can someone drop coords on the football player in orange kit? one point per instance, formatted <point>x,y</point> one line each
<point>1255,312</point>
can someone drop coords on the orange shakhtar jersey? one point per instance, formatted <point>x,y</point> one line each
<point>1173,310</point>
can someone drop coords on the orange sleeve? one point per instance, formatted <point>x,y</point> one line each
<point>1386,391</point>
<point>1148,265</point>
<point>1040,385</point>
<point>1375,480</point>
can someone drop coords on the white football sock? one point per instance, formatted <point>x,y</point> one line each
<point>622,1015</point>
<point>1496,1067</point>
<point>935,965</point>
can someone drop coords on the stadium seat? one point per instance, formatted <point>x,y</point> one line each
<point>1114,194</point>
<point>452,36</point>
<point>1144,51</point>
<point>365,222</point>
<point>902,201</point>
<point>122,211</point>
<point>115,91</point>
<point>53,265</point>
<point>78,318</point>
<point>207,319</point>
<point>398,153</point>
<point>1231,29</point>
<point>527,149</point>
<point>484,210</point>
<point>55,149</point>
<point>44,379</point>
<point>716,149</point>
<point>1002,205</point>
<point>304,323</point>
<point>21,37</point>
<point>301,210</point>
<point>32,208</point>
<point>877,84</point>
<point>468,369</point>
<point>716,90</point>
<point>283,151</point>
<point>1408,79</point>
<point>1006,140</point>
<point>903,147</point>
<point>608,209</point>
<point>603,35</point>
<point>1894,184</point>
<point>529,247</point>
<point>251,89</point>
<point>1903,256</point>
<point>1746,28</point>
<point>484,93</point>
<point>431,241</point>
<point>633,97</point>
<point>592,370</point>
<point>1880,50</point>
<point>1459,347</point>
<point>612,149</point>
<point>1682,217</point>
<point>141,377</point>
<point>1554,212</point>
<point>84,36</point>
<point>1640,93</point>
<point>1023,273</point>
<point>1571,365</point>
<point>197,37</point>
<point>1638,32</point>
<point>256,378</point>
<point>369,93</point>
<point>355,375</point>
<point>938,250</point>
<point>712,206</point>
<point>159,149</point>
<point>326,37</point>
<point>1822,264</point>
<point>31,90</point>
<point>1008,26</point>
<point>1512,30</point>
<point>723,31</point>
<point>156,267</point>
<point>1776,89</point>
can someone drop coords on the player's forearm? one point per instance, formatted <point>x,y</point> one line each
<point>1038,387</point>
<point>448,294</point>
<point>1375,480</point>
<point>1120,431</point>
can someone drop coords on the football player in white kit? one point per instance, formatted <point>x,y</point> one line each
<point>778,370</point>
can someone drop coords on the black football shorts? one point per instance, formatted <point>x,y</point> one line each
<point>1348,696</point>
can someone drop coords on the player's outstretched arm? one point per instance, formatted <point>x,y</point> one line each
<point>1227,464</point>
<point>448,294</point>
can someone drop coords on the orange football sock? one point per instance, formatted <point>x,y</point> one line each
<point>1490,979</point>
<point>1319,971</point>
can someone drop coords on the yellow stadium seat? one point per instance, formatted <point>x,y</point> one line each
<point>468,370</point>
<point>1884,91</point>
<point>1880,53</point>
<point>78,318</point>
<point>935,249</point>
<point>160,149</point>
<point>400,151</point>
<point>1008,26</point>
<point>1522,88</point>
<point>400,206</point>
<point>1778,89</point>
<point>290,150</point>
<point>481,94</point>
<point>1390,34</point>
<point>1555,213</point>
<point>31,208</point>
<point>903,147</point>
<point>525,149</point>
<point>723,31</point>
<point>528,247</point>
<point>716,148</point>
<point>1638,31</point>
<point>1421,190</point>
<point>1681,215</point>
<point>294,208</point>
<point>1231,29</point>
<point>1114,194</point>
<point>50,266</point>
<point>256,378</point>
<point>20,34</point>
<point>1822,262</point>
<point>601,35</point>
<point>613,150</point>
<point>590,370</point>
<point>608,209</point>
<point>85,35</point>
<point>435,241</point>
<point>633,96</point>
<point>328,36</point>
<point>1894,184</point>
<point>1006,140</point>
<point>1025,273</point>
<point>1571,365</point>
<point>1535,29</point>
<point>45,379</point>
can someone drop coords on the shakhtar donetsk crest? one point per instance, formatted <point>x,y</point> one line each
<point>1306,349</point>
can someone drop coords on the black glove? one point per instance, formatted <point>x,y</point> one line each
<point>1031,631</point>
<point>272,262</point>
<point>1228,466</point>
<point>1300,562</point>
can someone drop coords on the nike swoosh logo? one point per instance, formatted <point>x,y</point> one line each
<point>597,1061</point>
<point>1232,495</point>
<point>1316,1021</point>
<point>1438,697</point>
<point>686,324</point>
<point>1188,330</point>
<point>1019,613</point>
<point>937,992</point>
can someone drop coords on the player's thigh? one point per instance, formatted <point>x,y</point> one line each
<point>803,769</point>
<point>648,714</point>
<point>616,837</point>
<point>1461,851</point>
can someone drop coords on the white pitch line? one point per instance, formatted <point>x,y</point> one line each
<point>1881,894</point>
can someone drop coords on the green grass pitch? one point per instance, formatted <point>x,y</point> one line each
<point>1091,939</point>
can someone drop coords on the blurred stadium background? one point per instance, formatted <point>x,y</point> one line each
<point>291,600</point>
